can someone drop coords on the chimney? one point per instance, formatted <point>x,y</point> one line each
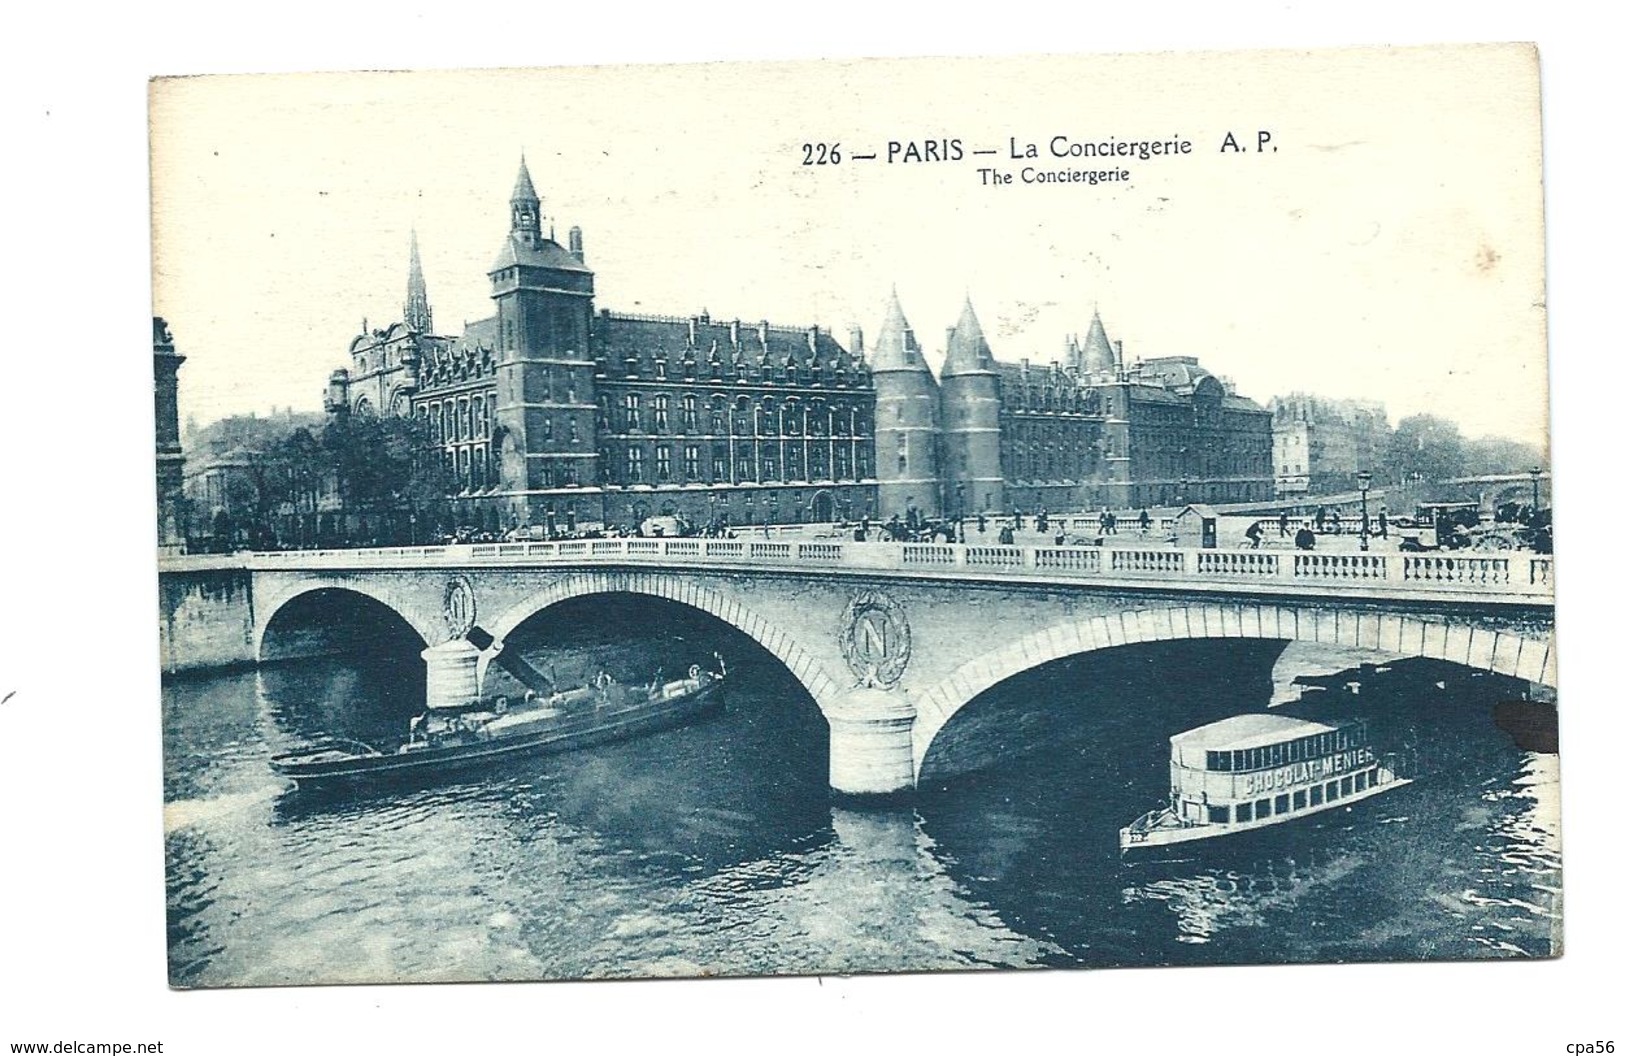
<point>575,245</point>
<point>854,340</point>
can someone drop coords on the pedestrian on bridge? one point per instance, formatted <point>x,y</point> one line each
<point>1283,524</point>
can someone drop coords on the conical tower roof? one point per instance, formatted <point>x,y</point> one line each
<point>967,347</point>
<point>1098,356</point>
<point>523,189</point>
<point>895,348</point>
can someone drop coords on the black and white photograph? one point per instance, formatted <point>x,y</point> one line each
<point>836,544</point>
<point>1062,528</point>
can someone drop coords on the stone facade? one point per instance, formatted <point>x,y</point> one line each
<point>554,412</point>
<point>1320,444</point>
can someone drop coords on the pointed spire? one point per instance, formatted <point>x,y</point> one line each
<point>526,209</point>
<point>967,347</point>
<point>418,315</point>
<point>1097,355</point>
<point>896,348</point>
<point>523,189</point>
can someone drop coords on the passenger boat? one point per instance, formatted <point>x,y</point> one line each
<point>445,739</point>
<point>1253,771</point>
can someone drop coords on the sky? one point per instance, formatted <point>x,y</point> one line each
<point>1386,245</point>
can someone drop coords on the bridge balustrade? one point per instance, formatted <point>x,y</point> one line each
<point>1237,563</point>
<point>1339,566</point>
<point>1516,575</point>
<point>993,556</point>
<point>1157,562</point>
<point>1066,559</point>
<point>1439,569</point>
<point>937,555</point>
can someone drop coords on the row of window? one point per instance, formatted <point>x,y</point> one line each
<point>1039,460</point>
<point>1314,746</point>
<point>763,417</point>
<point>763,465</point>
<point>1049,398</point>
<point>1302,799</point>
<point>456,420</point>
<point>470,466</point>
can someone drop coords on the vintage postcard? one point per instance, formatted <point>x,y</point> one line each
<point>863,516</point>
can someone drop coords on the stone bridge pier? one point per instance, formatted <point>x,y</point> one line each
<point>889,661</point>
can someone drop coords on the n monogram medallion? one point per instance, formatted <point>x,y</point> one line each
<point>875,639</point>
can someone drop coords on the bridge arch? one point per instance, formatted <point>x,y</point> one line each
<point>1496,495</point>
<point>802,664</point>
<point>1503,652</point>
<point>427,628</point>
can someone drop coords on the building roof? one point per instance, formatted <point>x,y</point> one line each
<point>1246,731</point>
<point>546,254</point>
<point>1180,373</point>
<point>1153,394</point>
<point>1097,356</point>
<point>895,348</point>
<point>968,352</point>
<point>1241,403</point>
<point>740,347</point>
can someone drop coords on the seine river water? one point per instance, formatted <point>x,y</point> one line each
<point>715,848</point>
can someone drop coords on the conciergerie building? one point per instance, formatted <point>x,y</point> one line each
<point>555,412</point>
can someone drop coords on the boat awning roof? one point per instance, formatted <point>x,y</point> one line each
<point>1246,731</point>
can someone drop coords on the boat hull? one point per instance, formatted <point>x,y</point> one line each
<point>596,726</point>
<point>1173,839</point>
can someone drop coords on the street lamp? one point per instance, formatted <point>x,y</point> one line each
<point>1534,483</point>
<point>1363,479</point>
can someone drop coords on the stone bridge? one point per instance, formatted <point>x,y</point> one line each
<point>891,640</point>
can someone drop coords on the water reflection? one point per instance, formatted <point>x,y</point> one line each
<point>714,848</point>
